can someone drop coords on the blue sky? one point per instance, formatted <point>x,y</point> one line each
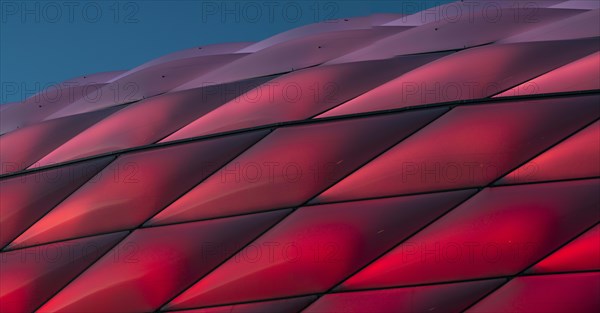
<point>46,42</point>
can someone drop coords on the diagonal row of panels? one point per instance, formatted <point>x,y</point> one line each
<point>321,244</point>
<point>319,147</point>
<point>469,146</point>
<point>322,92</point>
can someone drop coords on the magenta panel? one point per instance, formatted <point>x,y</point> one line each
<point>321,244</point>
<point>330,25</point>
<point>27,198</point>
<point>31,276</point>
<point>52,98</point>
<point>469,74</point>
<point>146,83</point>
<point>576,76</point>
<point>499,232</point>
<point>291,165</point>
<point>274,306</point>
<point>21,148</point>
<point>147,121</point>
<point>133,188</point>
<point>293,55</point>
<point>576,157</point>
<point>301,95</point>
<point>582,25</point>
<point>548,293</point>
<point>578,4</point>
<point>582,254</point>
<point>457,30</point>
<point>437,298</point>
<point>153,265</point>
<point>454,10</point>
<point>469,146</point>
<point>208,50</point>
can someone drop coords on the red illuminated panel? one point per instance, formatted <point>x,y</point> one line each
<point>31,276</point>
<point>143,83</point>
<point>291,165</point>
<point>575,76</point>
<point>154,264</point>
<point>438,298</point>
<point>293,55</point>
<point>469,146</point>
<point>133,188</point>
<point>315,248</point>
<point>275,306</point>
<point>469,74</point>
<point>548,293</point>
<point>458,26</point>
<point>301,95</point>
<point>162,116</point>
<point>582,254</point>
<point>21,148</point>
<point>28,197</point>
<point>576,157</point>
<point>499,232</point>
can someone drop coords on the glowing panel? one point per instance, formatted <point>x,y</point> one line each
<point>548,293</point>
<point>499,232</point>
<point>152,265</point>
<point>133,188</point>
<point>576,157</point>
<point>582,254</point>
<point>291,165</point>
<point>26,198</point>
<point>467,147</point>
<point>321,244</point>
<point>33,275</point>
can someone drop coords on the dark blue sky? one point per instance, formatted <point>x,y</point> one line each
<point>46,42</point>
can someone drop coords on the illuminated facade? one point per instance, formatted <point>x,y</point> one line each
<point>377,164</point>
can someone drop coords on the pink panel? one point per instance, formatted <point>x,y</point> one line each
<point>582,254</point>
<point>438,298</point>
<point>576,157</point>
<point>301,95</point>
<point>575,76</point>
<point>28,197</point>
<point>147,82</point>
<point>7,105</point>
<point>147,121</point>
<point>499,232</point>
<point>54,97</point>
<point>133,188</point>
<point>31,276</point>
<point>452,11</point>
<point>469,75</point>
<point>582,25</point>
<point>293,55</point>
<point>291,165</point>
<point>578,4</point>
<point>549,293</point>
<point>95,78</point>
<point>365,22</point>
<point>321,244</point>
<point>469,146</point>
<point>152,265</point>
<point>458,30</point>
<point>275,306</point>
<point>216,49</point>
<point>22,148</point>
